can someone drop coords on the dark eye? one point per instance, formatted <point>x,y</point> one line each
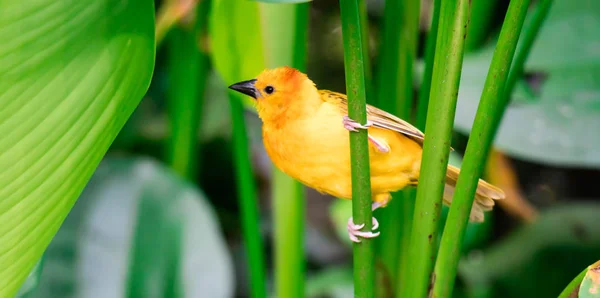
<point>269,89</point>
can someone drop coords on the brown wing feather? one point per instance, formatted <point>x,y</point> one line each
<point>379,117</point>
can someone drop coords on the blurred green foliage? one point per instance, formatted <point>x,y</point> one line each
<point>72,74</point>
<point>138,230</point>
<point>550,251</point>
<point>555,108</point>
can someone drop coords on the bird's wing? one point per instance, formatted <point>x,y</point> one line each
<point>380,118</point>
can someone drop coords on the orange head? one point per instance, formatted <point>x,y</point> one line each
<point>280,93</point>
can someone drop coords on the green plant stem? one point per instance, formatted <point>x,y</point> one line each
<point>394,94</point>
<point>364,26</point>
<point>454,17</point>
<point>403,271</point>
<point>528,36</point>
<point>359,152</point>
<point>188,70</point>
<point>285,38</point>
<point>573,286</point>
<point>398,51</point>
<point>248,198</point>
<point>427,74</point>
<point>477,150</point>
<point>289,231</point>
<point>479,24</point>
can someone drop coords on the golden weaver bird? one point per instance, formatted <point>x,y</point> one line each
<point>305,133</point>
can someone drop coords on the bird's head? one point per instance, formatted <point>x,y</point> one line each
<point>278,92</point>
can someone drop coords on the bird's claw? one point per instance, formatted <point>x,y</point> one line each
<point>354,230</point>
<point>352,125</point>
<point>381,146</point>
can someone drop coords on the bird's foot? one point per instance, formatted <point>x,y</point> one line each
<point>375,206</point>
<point>381,146</point>
<point>354,230</point>
<point>352,125</point>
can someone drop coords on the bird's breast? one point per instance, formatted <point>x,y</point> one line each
<point>315,152</point>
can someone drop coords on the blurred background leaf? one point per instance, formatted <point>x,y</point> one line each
<point>336,282</point>
<point>561,84</point>
<point>138,230</point>
<point>32,281</point>
<point>548,252</point>
<point>72,74</point>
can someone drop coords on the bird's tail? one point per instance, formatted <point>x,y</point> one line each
<point>484,196</point>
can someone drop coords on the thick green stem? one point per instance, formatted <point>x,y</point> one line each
<point>480,141</point>
<point>524,48</point>
<point>427,74</point>
<point>285,38</point>
<point>188,70</point>
<point>248,198</point>
<point>454,17</point>
<point>359,152</point>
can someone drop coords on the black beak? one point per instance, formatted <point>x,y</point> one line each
<point>246,87</point>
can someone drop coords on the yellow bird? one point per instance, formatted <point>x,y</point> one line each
<point>306,135</point>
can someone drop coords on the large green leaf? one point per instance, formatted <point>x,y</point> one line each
<point>72,73</point>
<point>138,230</point>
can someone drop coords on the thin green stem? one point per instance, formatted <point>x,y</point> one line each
<point>481,17</point>
<point>359,152</point>
<point>394,94</point>
<point>398,51</point>
<point>427,74</point>
<point>454,17</point>
<point>527,38</point>
<point>364,26</point>
<point>285,38</point>
<point>248,198</point>
<point>573,286</point>
<point>480,141</point>
<point>188,70</point>
<point>288,206</point>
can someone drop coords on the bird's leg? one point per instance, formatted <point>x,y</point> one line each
<point>352,125</point>
<point>376,205</point>
<point>354,230</point>
<point>381,147</point>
